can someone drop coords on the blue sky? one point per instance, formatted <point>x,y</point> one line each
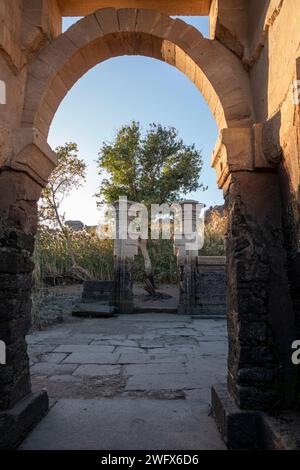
<point>132,88</point>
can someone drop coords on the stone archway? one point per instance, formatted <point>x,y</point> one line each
<point>260,375</point>
<point>108,33</point>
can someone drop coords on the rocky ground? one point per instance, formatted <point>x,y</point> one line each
<point>51,305</point>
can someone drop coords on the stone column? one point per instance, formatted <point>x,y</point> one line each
<point>187,262</point>
<point>123,292</point>
<point>261,323</point>
<point>124,252</point>
<point>20,410</point>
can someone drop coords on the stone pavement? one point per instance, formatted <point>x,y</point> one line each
<point>130,382</point>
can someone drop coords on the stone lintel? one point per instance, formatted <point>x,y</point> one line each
<point>169,7</point>
<point>241,149</point>
<point>33,155</point>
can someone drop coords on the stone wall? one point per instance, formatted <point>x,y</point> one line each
<point>202,289</point>
<point>269,47</point>
<point>210,286</point>
<point>272,72</point>
<point>268,44</point>
<point>246,74</point>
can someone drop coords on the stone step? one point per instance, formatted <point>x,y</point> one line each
<point>88,297</point>
<point>208,317</point>
<point>95,310</point>
<point>210,310</point>
<point>98,285</point>
<point>155,310</point>
<point>94,291</point>
<point>213,300</point>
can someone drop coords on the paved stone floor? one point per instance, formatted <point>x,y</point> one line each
<point>130,382</point>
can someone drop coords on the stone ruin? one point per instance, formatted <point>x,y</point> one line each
<point>248,71</point>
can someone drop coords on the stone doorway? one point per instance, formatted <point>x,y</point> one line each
<point>248,163</point>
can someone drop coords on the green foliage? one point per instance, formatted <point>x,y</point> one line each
<point>69,174</point>
<point>154,167</point>
<point>164,263</point>
<point>52,256</point>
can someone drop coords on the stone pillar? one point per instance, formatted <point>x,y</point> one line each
<point>187,262</point>
<point>123,292</point>
<point>20,410</point>
<point>124,252</point>
<point>261,323</point>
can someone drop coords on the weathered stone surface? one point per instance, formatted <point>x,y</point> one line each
<point>191,7</point>
<point>253,430</point>
<point>141,423</point>
<point>239,429</point>
<point>53,357</point>
<point>240,73</point>
<point>154,369</point>
<point>18,421</point>
<point>67,63</point>
<point>258,294</point>
<point>109,381</point>
<point>48,368</point>
<point>91,358</point>
<point>17,227</point>
<point>210,288</point>
<point>96,348</point>
<point>123,290</point>
<point>95,370</point>
<point>95,310</point>
<point>94,291</point>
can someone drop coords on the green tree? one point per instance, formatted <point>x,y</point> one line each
<point>69,174</point>
<point>151,167</point>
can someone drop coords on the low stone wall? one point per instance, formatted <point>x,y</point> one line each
<point>98,291</point>
<point>210,286</point>
<point>51,305</point>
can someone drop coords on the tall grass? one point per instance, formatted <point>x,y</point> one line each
<point>52,259</point>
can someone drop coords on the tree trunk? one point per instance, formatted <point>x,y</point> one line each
<point>76,270</point>
<point>150,285</point>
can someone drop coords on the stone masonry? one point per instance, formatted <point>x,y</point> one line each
<point>247,71</point>
<point>211,286</point>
